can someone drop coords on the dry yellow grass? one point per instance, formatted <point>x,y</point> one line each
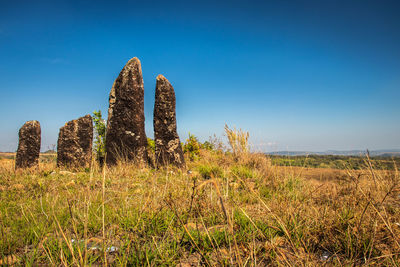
<point>227,210</point>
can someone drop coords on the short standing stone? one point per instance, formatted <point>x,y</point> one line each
<point>125,136</point>
<point>74,146</point>
<point>168,146</point>
<point>29,145</point>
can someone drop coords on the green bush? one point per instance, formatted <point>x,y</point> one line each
<point>207,145</point>
<point>209,171</point>
<point>242,172</point>
<point>100,135</point>
<point>151,145</point>
<point>192,147</point>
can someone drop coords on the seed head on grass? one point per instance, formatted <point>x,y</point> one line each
<point>238,140</point>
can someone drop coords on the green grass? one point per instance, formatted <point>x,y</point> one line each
<point>336,162</point>
<point>230,210</point>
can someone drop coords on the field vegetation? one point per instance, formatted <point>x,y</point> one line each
<point>227,208</point>
<point>336,161</point>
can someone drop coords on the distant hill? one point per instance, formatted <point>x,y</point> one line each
<point>381,153</point>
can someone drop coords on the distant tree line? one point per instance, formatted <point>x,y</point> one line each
<point>336,162</point>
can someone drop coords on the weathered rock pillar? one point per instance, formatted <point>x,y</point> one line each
<point>125,136</point>
<point>74,146</point>
<point>29,145</point>
<point>168,146</point>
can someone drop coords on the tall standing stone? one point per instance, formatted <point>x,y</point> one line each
<point>125,136</point>
<point>29,145</point>
<point>168,145</point>
<point>74,146</point>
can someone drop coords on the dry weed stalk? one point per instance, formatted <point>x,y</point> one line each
<point>238,140</point>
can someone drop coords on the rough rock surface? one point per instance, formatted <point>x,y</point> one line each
<point>74,146</point>
<point>168,146</point>
<point>125,136</point>
<point>29,145</point>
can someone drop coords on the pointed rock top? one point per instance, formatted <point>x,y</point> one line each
<point>133,60</point>
<point>161,77</point>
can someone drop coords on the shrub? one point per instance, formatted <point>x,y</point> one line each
<point>242,172</point>
<point>209,171</point>
<point>207,145</point>
<point>192,146</point>
<point>151,145</point>
<point>100,135</point>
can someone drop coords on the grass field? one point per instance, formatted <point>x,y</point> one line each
<point>336,162</point>
<point>222,210</point>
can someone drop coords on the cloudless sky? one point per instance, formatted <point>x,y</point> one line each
<point>298,75</point>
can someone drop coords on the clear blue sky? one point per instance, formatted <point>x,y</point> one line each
<point>298,75</point>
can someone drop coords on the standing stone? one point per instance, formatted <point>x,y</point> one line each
<point>29,145</point>
<point>168,145</point>
<point>74,146</point>
<point>125,136</point>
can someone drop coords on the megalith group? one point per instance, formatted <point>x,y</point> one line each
<point>28,145</point>
<point>74,146</point>
<point>125,131</point>
<point>168,149</point>
<point>125,135</point>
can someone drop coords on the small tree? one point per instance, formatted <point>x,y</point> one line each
<point>100,136</point>
<point>151,145</point>
<point>207,145</point>
<point>192,146</point>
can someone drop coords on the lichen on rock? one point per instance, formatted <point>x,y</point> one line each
<point>29,145</point>
<point>125,136</point>
<point>74,145</point>
<point>168,148</point>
